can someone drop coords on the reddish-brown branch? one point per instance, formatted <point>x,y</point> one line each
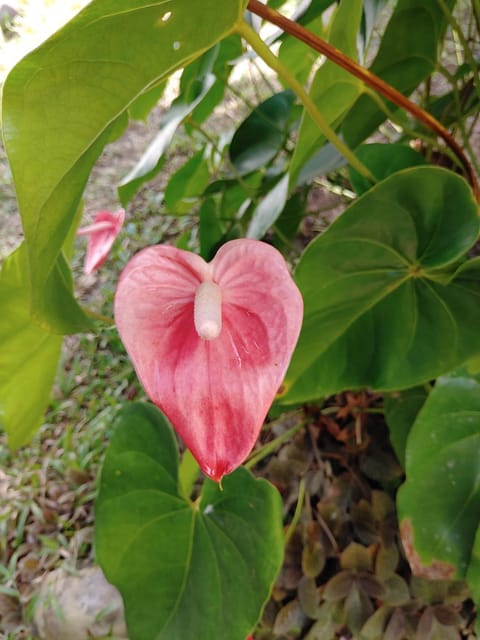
<point>370,79</point>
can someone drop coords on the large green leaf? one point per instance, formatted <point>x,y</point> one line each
<point>186,571</point>
<point>386,304</point>
<point>333,89</point>
<point>28,357</point>
<point>406,56</point>
<point>60,101</point>
<point>439,504</point>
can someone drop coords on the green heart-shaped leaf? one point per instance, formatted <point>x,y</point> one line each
<point>439,504</point>
<point>186,571</point>
<point>386,303</point>
<point>62,100</point>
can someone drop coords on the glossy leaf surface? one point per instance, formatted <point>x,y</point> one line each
<point>262,134</point>
<point>384,280</point>
<point>178,565</point>
<point>57,121</point>
<point>439,504</point>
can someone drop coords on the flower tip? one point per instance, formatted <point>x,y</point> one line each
<point>209,330</point>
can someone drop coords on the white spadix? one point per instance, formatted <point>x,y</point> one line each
<point>207,312</point>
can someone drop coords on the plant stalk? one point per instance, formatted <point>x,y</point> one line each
<point>271,446</point>
<point>298,512</point>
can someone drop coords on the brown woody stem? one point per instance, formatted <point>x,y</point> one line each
<point>370,79</point>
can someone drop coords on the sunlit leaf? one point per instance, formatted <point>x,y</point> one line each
<point>154,156</point>
<point>28,357</point>
<point>60,101</point>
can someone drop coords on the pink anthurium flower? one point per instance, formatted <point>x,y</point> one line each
<point>101,236</point>
<point>211,342</point>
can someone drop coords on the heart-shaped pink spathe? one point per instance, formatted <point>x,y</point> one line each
<point>101,236</point>
<point>215,390</point>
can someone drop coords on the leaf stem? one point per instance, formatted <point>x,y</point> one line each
<point>257,44</point>
<point>370,79</point>
<point>298,512</point>
<point>98,316</point>
<point>271,446</point>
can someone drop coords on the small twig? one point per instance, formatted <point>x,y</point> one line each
<point>98,316</point>
<point>298,512</point>
<point>271,446</point>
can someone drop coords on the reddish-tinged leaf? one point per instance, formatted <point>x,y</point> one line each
<point>215,389</point>
<point>101,236</point>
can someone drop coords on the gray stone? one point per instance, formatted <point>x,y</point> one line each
<point>79,605</point>
<point>8,15</point>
